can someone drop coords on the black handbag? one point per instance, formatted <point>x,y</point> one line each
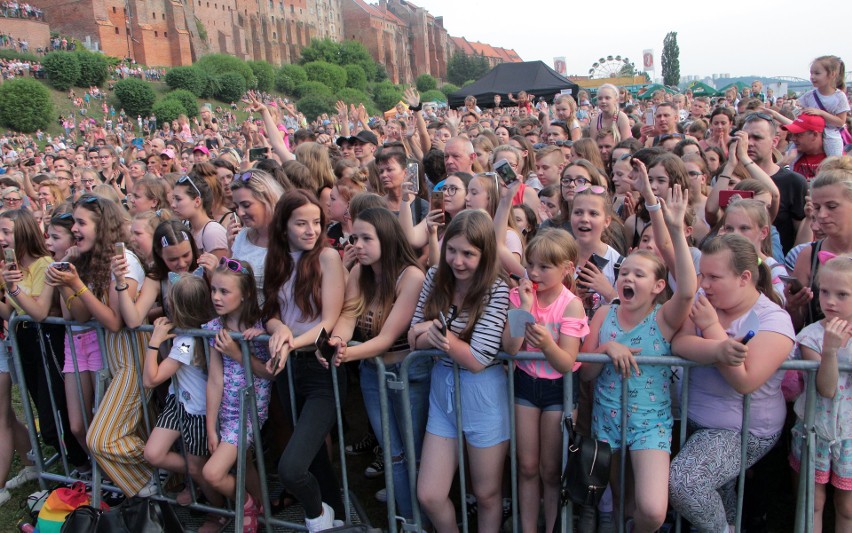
<point>135,515</point>
<point>586,474</point>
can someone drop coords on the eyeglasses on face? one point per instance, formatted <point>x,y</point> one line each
<point>12,200</point>
<point>695,173</point>
<point>451,190</point>
<point>577,182</point>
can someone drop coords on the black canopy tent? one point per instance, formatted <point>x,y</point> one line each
<point>532,76</point>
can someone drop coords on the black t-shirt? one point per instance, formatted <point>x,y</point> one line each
<point>793,188</point>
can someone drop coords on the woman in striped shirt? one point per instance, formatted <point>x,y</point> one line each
<point>462,311</point>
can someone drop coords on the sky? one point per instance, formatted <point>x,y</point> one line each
<point>723,36</point>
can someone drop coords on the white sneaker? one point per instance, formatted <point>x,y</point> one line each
<point>27,474</point>
<point>323,521</point>
<point>4,496</point>
<point>148,490</point>
<point>382,495</point>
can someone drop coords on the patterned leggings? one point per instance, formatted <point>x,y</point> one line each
<point>702,484</point>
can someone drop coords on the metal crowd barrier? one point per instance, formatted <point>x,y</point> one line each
<point>392,381</point>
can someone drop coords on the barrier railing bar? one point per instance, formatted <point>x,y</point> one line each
<point>54,409</point>
<point>385,376</point>
<point>513,447</point>
<point>460,443</point>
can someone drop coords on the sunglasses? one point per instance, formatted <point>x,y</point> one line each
<point>62,217</point>
<point>233,265</point>
<point>91,199</point>
<point>695,173</point>
<point>562,143</point>
<point>244,177</point>
<point>185,179</point>
<point>758,115</point>
<point>594,189</point>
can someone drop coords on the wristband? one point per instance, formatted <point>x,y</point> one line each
<point>749,163</point>
<point>653,207</point>
<point>418,107</point>
<point>723,176</point>
<point>155,348</point>
<point>75,295</point>
<point>123,288</point>
<point>15,292</point>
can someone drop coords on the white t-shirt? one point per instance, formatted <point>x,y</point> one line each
<point>834,104</point>
<point>191,380</point>
<point>136,270</point>
<point>254,255</point>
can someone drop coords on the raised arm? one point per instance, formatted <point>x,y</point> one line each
<point>676,309</point>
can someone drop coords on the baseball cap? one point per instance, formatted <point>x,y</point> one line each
<point>365,136</point>
<point>805,122</point>
<point>201,148</point>
<point>168,153</point>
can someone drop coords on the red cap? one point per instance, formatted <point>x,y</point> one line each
<point>806,122</point>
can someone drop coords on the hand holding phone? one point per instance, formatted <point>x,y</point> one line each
<point>9,258</point>
<point>326,350</point>
<point>793,282</point>
<point>412,177</point>
<point>119,249</point>
<point>505,172</point>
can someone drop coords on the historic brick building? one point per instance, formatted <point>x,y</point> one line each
<point>405,38</point>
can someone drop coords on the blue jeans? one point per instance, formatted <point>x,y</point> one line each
<point>419,374</point>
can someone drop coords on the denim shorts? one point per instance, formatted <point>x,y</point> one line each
<point>484,405</point>
<point>87,350</point>
<point>542,393</point>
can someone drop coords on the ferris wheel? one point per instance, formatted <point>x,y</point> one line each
<point>612,67</point>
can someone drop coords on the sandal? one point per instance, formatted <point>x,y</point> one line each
<point>213,524</point>
<point>284,500</point>
<point>250,513</point>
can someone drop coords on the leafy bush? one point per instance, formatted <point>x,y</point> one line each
<point>314,105</point>
<point>313,88</point>
<point>135,96</point>
<point>386,95</point>
<point>345,53</point>
<point>190,78</point>
<point>25,105</point>
<point>425,82</point>
<point>448,88</point>
<point>289,77</point>
<point>186,99</point>
<point>433,96</point>
<point>264,73</point>
<point>211,85</point>
<point>468,82</point>
<point>333,76</point>
<point>62,68</point>
<point>232,87</point>
<point>354,96</point>
<point>93,68</point>
<point>356,78</point>
<point>168,109</point>
<point>218,64</point>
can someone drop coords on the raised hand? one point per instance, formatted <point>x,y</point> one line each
<point>412,97</point>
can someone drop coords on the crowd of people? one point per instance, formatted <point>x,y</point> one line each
<point>717,230</point>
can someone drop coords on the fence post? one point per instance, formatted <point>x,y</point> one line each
<point>383,378</point>
<point>743,460</point>
<point>457,405</point>
<point>408,437</point>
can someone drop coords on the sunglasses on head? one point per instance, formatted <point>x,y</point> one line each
<point>233,265</point>
<point>759,115</point>
<point>63,216</point>
<point>594,189</point>
<point>185,179</point>
<point>244,177</point>
<point>91,199</point>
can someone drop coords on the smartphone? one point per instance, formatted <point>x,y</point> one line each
<point>599,261</point>
<point>505,172</point>
<point>412,176</point>
<point>325,349</point>
<point>352,240</point>
<point>725,196</point>
<point>119,249</point>
<point>212,144</point>
<point>9,258</point>
<point>437,200</point>
<point>62,266</point>
<point>793,282</point>
<point>138,142</point>
<point>443,320</point>
<point>256,154</point>
<point>649,117</point>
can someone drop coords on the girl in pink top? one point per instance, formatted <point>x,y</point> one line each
<point>560,324</point>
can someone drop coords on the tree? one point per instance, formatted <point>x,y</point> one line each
<point>168,110</point>
<point>186,98</point>
<point>289,77</point>
<point>135,96</point>
<point>218,64</point>
<point>462,67</point>
<point>670,59</point>
<point>329,74</point>
<point>356,78</point>
<point>448,88</point>
<point>265,74</point>
<point>25,105</point>
<point>93,69</point>
<point>342,54</point>
<point>386,95</point>
<point>425,82</point>
<point>313,88</point>
<point>190,78</point>
<point>232,87</point>
<point>62,68</point>
<point>433,96</point>
<point>314,105</point>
